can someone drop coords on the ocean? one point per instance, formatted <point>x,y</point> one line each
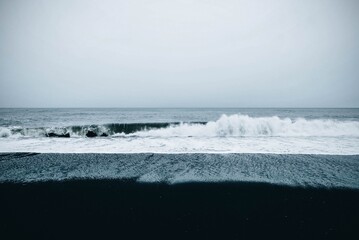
<point>179,173</point>
<point>218,130</point>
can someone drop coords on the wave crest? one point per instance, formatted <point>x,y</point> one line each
<point>236,125</point>
<point>243,125</point>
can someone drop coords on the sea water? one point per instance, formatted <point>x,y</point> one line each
<point>178,130</point>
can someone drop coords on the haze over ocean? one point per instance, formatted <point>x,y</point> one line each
<point>232,119</point>
<point>204,53</point>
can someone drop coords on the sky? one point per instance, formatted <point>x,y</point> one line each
<point>179,53</point>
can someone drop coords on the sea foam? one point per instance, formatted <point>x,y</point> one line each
<point>235,125</point>
<point>229,134</point>
<point>244,125</point>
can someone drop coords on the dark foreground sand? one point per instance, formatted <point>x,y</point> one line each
<point>118,209</point>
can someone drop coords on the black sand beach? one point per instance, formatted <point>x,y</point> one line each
<point>118,209</point>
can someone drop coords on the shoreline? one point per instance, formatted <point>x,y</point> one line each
<point>306,170</point>
<point>178,196</point>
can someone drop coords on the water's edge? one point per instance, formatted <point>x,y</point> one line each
<point>301,170</point>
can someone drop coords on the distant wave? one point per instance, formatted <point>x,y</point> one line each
<point>236,125</point>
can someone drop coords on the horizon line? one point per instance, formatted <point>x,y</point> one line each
<point>179,107</point>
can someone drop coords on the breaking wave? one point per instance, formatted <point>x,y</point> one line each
<point>236,125</point>
<point>243,125</point>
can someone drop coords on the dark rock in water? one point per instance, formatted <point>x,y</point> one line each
<point>52,134</point>
<point>91,134</point>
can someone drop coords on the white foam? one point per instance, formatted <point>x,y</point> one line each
<point>289,145</point>
<point>243,125</point>
<point>229,134</point>
<point>5,132</point>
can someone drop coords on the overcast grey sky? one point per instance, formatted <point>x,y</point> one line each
<point>179,53</point>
